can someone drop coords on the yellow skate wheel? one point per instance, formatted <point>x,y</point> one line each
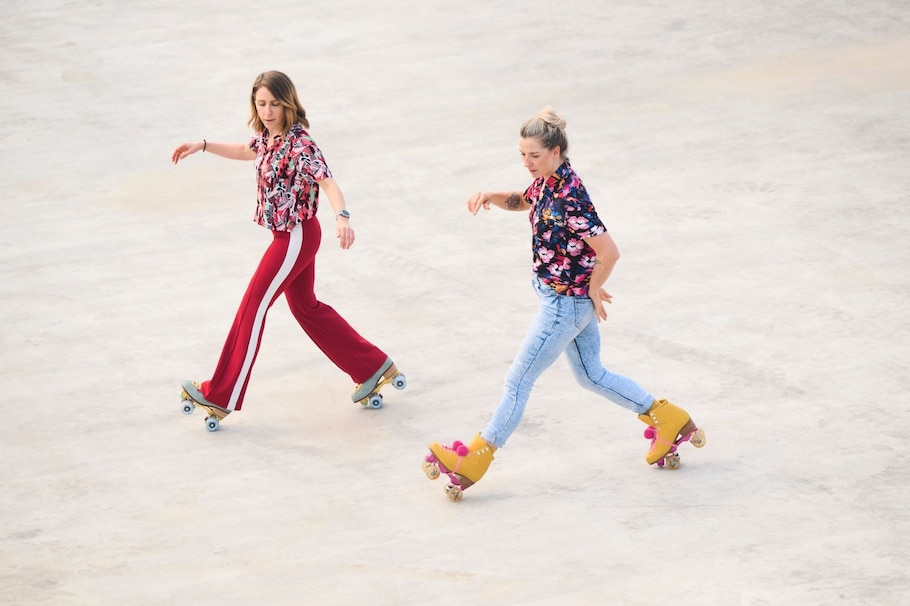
<point>430,470</point>
<point>454,493</point>
<point>698,439</point>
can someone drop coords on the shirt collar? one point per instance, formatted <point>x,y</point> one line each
<point>295,130</point>
<point>561,174</point>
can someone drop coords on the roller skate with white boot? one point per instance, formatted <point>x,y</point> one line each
<point>465,464</point>
<point>669,426</point>
<point>367,393</point>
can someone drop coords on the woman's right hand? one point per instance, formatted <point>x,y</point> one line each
<point>477,200</point>
<point>185,149</point>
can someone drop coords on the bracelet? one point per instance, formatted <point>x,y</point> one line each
<point>203,145</point>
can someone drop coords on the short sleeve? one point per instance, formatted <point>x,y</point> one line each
<point>581,216</point>
<point>310,161</point>
<point>582,220</point>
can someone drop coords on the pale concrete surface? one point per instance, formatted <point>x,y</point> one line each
<point>751,160</point>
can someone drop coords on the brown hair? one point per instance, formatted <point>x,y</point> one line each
<point>549,128</point>
<point>283,90</point>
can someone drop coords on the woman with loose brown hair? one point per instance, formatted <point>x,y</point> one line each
<point>283,90</point>
<point>290,173</point>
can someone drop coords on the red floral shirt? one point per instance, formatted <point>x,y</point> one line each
<point>562,218</point>
<point>287,178</point>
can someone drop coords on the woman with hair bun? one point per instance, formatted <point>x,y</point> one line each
<point>573,257</point>
<point>290,172</point>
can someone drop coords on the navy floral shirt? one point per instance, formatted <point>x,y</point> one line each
<point>562,217</point>
<point>287,178</point>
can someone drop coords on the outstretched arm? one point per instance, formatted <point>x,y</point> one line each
<point>232,151</point>
<point>607,255</point>
<point>509,200</point>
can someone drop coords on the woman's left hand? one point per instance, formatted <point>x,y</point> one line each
<point>599,297</point>
<point>345,233</point>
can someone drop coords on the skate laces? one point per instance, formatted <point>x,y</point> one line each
<point>652,434</point>
<point>459,448</point>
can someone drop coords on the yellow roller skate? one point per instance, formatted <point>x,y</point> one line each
<point>668,427</point>
<point>464,464</point>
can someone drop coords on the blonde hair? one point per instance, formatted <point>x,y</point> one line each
<point>549,128</point>
<point>284,91</point>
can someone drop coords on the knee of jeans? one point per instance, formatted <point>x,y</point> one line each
<point>584,380</point>
<point>511,387</point>
<point>583,376</point>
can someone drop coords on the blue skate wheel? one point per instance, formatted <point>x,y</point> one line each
<point>376,401</point>
<point>211,423</point>
<point>399,382</point>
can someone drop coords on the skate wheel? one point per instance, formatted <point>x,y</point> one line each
<point>454,493</point>
<point>399,382</point>
<point>431,471</point>
<point>673,462</point>
<point>698,438</point>
<point>211,423</point>
<point>375,401</point>
<point>188,407</point>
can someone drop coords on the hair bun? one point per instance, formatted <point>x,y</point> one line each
<point>549,115</point>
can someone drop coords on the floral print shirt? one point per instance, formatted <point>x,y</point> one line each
<point>287,178</point>
<point>562,217</point>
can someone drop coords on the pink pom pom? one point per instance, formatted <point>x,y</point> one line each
<point>461,450</point>
<point>650,433</point>
<point>456,444</point>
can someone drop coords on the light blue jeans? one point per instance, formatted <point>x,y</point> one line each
<point>563,324</point>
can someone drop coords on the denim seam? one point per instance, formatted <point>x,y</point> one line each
<point>598,384</point>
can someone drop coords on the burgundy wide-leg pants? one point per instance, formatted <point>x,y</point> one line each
<point>288,266</point>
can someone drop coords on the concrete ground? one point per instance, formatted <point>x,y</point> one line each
<point>750,159</point>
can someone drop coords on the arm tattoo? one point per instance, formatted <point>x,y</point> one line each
<point>513,201</point>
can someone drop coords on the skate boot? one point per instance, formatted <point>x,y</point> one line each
<point>464,464</point>
<point>192,397</point>
<point>367,393</point>
<point>668,427</point>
